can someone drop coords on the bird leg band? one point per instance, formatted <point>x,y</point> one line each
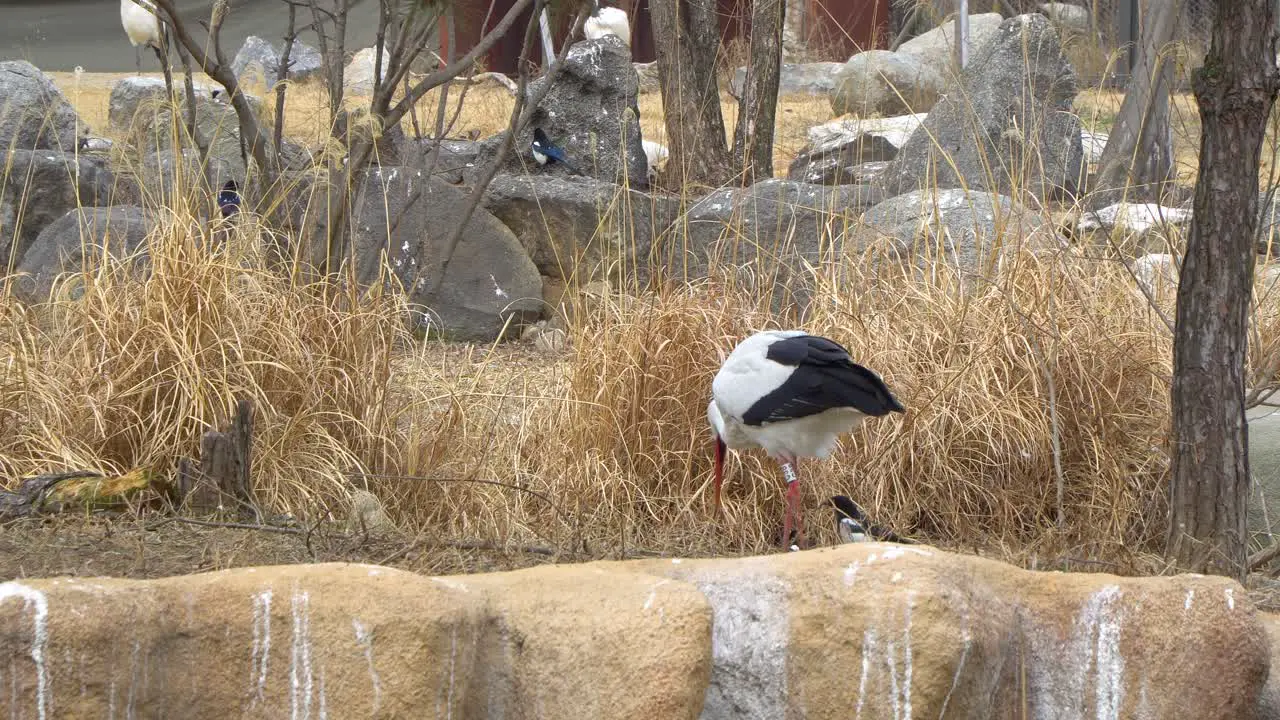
<point>789,473</point>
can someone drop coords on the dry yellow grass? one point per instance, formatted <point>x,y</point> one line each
<point>608,443</point>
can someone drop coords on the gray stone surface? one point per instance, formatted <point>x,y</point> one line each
<point>408,217</point>
<point>647,74</point>
<point>936,48</point>
<point>358,76</point>
<point>879,82</point>
<point>33,113</point>
<point>588,113</point>
<point>968,226</point>
<point>839,148</point>
<point>1009,126</point>
<point>815,78</point>
<point>1264,469</point>
<point>41,186</point>
<point>1069,18</point>
<point>457,161</point>
<point>260,58</point>
<point>133,95</point>
<point>61,247</point>
<point>581,229</point>
<point>163,175</point>
<point>217,124</point>
<point>773,230</point>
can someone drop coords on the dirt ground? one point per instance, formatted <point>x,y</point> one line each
<point>162,546</point>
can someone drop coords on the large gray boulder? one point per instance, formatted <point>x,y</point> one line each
<point>936,49</point>
<point>33,113</point>
<point>581,229</point>
<point>1135,228</point>
<point>1070,19</point>
<point>120,230</point>
<point>884,83</point>
<point>1008,128</point>
<point>216,123</point>
<point>840,150</point>
<point>41,186</point>
<point>588,112</point>
<point>261,58</point>
<point>771,232</point>
<point>402,218</point>
<point>456,162</point>
<point>815,78</point>
<point>131,96</point>
<point>164,176</point>
<point>357,77</point>
<point>968,227</point>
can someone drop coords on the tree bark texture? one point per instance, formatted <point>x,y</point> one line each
<point>1235,89</point>
<point>687,40</point>
<point>753,136</point>
<point>1139,151</point>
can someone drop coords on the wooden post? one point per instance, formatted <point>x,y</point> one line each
<point>223,477</point>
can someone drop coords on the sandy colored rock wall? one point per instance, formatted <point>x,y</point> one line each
<point>865,631</point>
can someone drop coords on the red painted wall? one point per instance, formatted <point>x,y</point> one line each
<point>836,28</point>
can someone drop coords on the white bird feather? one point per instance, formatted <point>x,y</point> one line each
<point>140,24</point>
<point>657,155</point>
<point>608,21</point>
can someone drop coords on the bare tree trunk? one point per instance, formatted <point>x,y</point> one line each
<point>753,136</point>
<point>333,47</point>
<point>1139,151</point>
<point>1235,89</point>
<point>687,40</point>
<point>282,74</point>
<point>215,65</point>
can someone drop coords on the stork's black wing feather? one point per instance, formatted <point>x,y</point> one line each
<point>825,377</point>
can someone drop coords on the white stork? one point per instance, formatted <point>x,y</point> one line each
<point>792,394</point>
<point>143,28</point>
<point>608,21</point>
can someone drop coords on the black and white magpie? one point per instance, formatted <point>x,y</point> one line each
<point>544,152</point>
<point>853,526</point>
<point>229,198</point>
<point>792,394</point>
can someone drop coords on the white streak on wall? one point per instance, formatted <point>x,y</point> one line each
<point>301,680</point>
<point>749,640</point>
<point>364,638</point>
<point>868,648</point>
<point>36,602</point>
<point>261,645</point>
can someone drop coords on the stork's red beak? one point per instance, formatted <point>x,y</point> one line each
<point>720,450</point>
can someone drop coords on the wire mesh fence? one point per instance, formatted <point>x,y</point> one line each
<point>1101,37</point>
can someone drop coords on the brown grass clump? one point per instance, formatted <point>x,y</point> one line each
<point>121,371</point>
<point>973,460</point>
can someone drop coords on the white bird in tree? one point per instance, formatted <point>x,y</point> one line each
<point>143,28</point>
<point>608,21</point>
<point>792,394</point>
